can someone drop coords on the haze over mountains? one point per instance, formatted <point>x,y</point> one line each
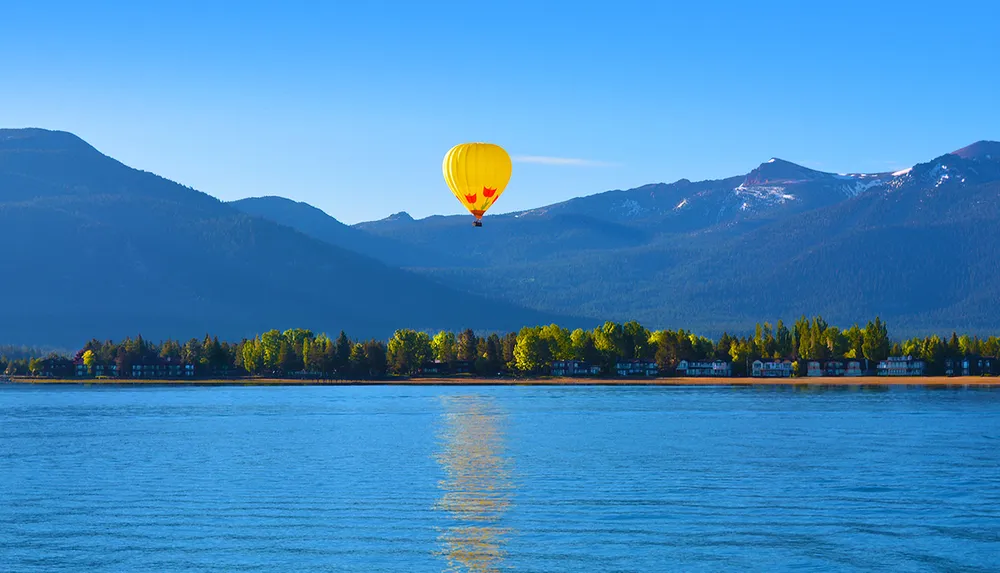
<point>99,249</point>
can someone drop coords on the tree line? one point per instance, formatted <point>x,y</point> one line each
<point>302,353</point>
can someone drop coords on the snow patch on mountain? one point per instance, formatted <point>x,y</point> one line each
<point>764,193</point>
<point>861,186</point>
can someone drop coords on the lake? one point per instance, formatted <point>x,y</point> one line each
<point>397,478</point>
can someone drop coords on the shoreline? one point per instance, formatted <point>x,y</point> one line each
<point>939,381</point>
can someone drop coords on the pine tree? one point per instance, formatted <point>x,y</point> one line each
<point>466,345</point>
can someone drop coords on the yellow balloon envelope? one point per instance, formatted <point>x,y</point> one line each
<point>477,173</point>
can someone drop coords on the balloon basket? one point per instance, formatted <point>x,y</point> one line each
<point>477,223</point>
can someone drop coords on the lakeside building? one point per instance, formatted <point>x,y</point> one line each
<point>901,366</point>
<point>440,368</point>
<point>160,368</point>
<point>849,367</point>
<point>637,368</point>
<point>705,369</point>
<point>574,368</point>
<point>771,369</point>
<point>110,370</point>
<point>163,368</point>
<point>972,365</point>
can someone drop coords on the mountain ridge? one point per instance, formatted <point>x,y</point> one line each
<point>748,241</point>
<point>713,255</point>
<point>104,250</point>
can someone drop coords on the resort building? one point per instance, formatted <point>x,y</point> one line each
<point>858,367</point>
<point>849,367</point>
<point>163,368</point>
<point>574,368</point>
<point>771,369</point>
<point>713,369</point>
<point>637,368</point>
<point>100,370</point>
<point>901,366</point>
<point>815,368</point>
<point>969,366</point>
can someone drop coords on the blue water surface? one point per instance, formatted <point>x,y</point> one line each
<point>494,479</point>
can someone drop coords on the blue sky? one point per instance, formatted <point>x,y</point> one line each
<point>350,106</point>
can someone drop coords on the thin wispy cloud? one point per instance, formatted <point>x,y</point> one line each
<point>561,161</point>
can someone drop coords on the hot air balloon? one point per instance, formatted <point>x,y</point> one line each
<point>477,174</point>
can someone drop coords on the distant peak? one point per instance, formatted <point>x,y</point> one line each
<point>275,200</point>
<point>33,138</point>
<point>264,199</point>
<point>776,170</point>
<point>401,216</point>
<point>980,151</point>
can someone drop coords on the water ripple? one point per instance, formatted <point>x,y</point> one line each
<point>494,479</point>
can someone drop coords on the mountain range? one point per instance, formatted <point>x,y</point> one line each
<point>95,248</point>
<point>916,246</point>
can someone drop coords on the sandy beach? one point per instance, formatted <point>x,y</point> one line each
<point>470,381</point>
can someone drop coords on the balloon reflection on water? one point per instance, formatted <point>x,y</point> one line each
<point>477,488</point>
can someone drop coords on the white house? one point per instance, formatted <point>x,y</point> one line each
<point>713,369</point>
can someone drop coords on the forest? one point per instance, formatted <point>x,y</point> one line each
<point>300,353</point>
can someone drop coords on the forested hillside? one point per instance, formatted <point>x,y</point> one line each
<point>95,248</point>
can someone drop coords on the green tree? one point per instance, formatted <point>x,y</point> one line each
<point>342,349</point>
<point>308,361</point>
<point>635,343</point>
<point>270,349</point>
<point>933,351</point>
<point>508,343</point>
<point>876,341</point>
<point>991,347</point>
<point>610,339</point>
<point>726,342</point>
<point>253,358</point>
<point>855,340</point>
<point>288,362</point>
<point>818,349</point>
<point>967,346</point>
<point>408,350</point>
<point>740,352</point>
<point>358,361</point>
<point>559,341</point>
<point>295,336</point>
<point>783,340</point>
<point>837,343</point>
<point>376,358</point>
<point>527,353</point>
<point>494,355</point>
<point>170,349</point>
<point>466,345</point>
<point>443,346</point>
<point>954,347</point>
<point>191,353</point>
